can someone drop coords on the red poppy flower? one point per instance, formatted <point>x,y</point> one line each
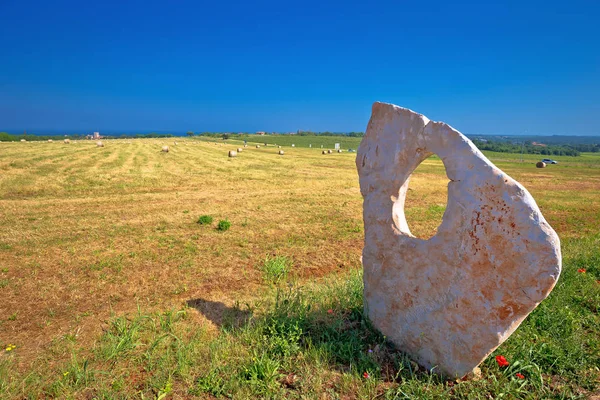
<point>502,361</point>
<point>366,375</point>
<point>520,375</point>
<point>581,270</point>
<point>330,311</point>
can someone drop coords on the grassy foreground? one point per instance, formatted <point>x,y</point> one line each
<point>111,288</point>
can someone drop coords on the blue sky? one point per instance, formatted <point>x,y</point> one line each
<point>509,67</point>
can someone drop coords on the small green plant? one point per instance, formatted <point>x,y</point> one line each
<point>205,220</point>
<point>275,269</point>
<point>262,373</point>
<point>223,225</point>
<point>211,383</point>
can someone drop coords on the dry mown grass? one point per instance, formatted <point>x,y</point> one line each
<point>87,231</point>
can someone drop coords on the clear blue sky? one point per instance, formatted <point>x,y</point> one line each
<point>485,67</point>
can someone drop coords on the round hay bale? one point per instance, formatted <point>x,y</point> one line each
<point>245,145</point>
<point>49,140</point>
<point>165,149</point>
<point>278,147</point>
<point>239,150</point>
<point>175,143</point>
<point>323,152</point>
<point>232,153</point>
<point>540,164</point>
<point>339,150</point>
<point>258,146</point>
<point>99,144</point>
<point>329,151</point>
<point>23,140</point>
<point>280,152</point>
<point>67,141</point>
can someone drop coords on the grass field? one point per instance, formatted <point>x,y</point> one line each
<point>110,287</point>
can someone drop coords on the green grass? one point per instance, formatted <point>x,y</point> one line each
<point>306,341</point>
<point>276,268</point>
<point>328,142</point>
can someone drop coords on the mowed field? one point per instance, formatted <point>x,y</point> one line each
<point>110,288</point>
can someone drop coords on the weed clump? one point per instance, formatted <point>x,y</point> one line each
<point>223,225</point>
<point>205,220</point>
<point>276,269</point>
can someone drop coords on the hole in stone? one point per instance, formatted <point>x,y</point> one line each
<point>426,198</point>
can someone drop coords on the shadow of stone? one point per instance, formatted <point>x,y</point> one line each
<point>221,314</point>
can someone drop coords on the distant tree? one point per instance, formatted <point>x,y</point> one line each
<point>225,136</point>
<point>190,133</point>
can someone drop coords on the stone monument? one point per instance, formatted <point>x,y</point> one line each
<point>451,300</point>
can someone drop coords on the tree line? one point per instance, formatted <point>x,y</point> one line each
<point>529,148</point>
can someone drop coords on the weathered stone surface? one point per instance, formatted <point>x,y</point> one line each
<point>451,300</point>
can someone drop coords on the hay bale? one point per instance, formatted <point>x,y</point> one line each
<point>175,143</point>
<point>49,140</point>
<point>329,151</point>
<point>67,141</point>
<point>258,146</point>
<point>278,147</point>
<point>232,153</point>
<point>280,152</point>
<point>245,145</point>
<point>540,164</point>
<point>165,149</point>
<point>23,140</point>
<point>323,152</point>
<point>339,150</point>
<point>99,144</point>
<point>239,150</point>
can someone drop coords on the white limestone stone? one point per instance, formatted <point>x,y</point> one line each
<point>451,300</point>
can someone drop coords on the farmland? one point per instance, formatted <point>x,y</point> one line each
<point>110,288</point>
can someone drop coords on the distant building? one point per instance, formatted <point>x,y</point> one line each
<point>538,144</point>
<point>95,135</point>
<point>261,133</point>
